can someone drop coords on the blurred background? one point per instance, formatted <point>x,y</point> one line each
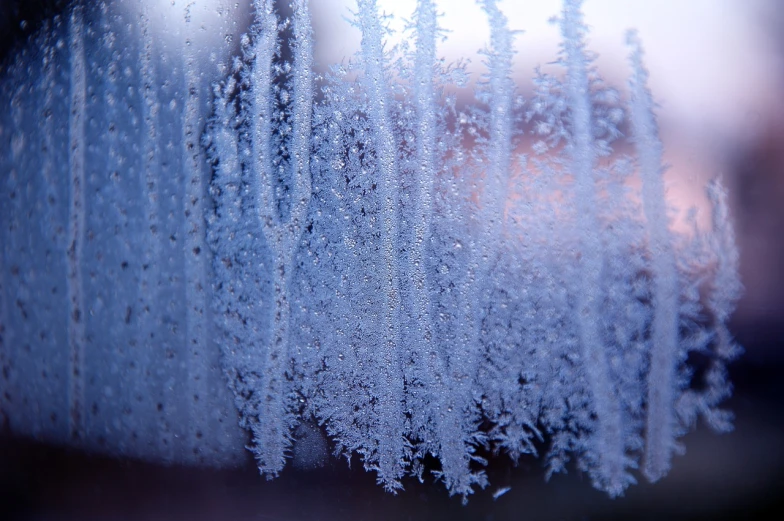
<point>717,69</point>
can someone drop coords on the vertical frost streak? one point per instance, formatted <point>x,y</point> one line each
<point>659,430</point>
<point>303,108</point>
<point>261,111</point>
<point>608,444</point>
<point>272,432</point>
<point>48,168</point>
<point>270,436</point>
<point>76,227</point>
<point>391,445</point>
<point>448,416</point>
<point>196,283</point>
<point>500,145</point>
<point>150,180</point>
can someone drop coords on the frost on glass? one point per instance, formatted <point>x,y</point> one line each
<point>108,339</point>
<point>189,269</point>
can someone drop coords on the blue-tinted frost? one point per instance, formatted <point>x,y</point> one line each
<point>354,250</point>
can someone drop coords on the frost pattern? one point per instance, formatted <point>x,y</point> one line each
<point>420,276</point>
<point>106,334</point>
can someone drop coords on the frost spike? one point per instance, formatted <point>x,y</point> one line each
<point>727,287</point>
<point>660,422</point>
<point>607,443</point>
<point>270,440</point>
<point>448,417</point>
<point>500,139</point>
<point>272,431</point>
<point>261,111</point>
<point>391,444</point>
<point>150,179</point>
<point>196,283</point>
<point>477,289</point>
<point>499,148</point>
<point>76,227</point>
<point>47,170</point>
<point>303,108</point>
